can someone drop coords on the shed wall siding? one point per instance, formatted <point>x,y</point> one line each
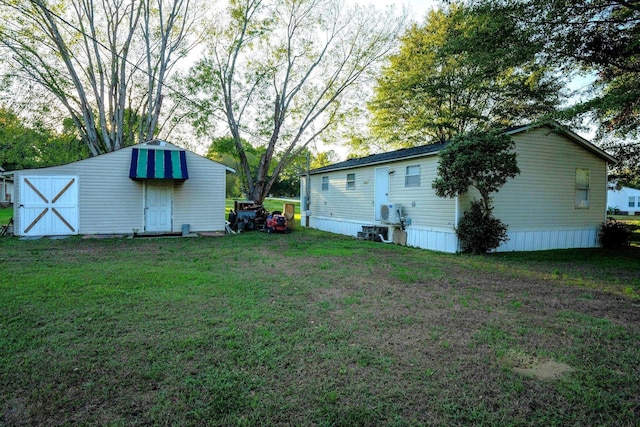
<point>110,202</point>
<point>199,201</point>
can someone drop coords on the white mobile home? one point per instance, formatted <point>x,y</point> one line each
<point>6,187</point>
<point>559,200</point>
<point>625,200</point>
<point>154,187</point>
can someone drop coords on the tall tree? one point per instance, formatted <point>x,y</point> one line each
<point>600,38</point>
<point>281,73</point>
<point>223,150</point>
<point>456,73</point>
<point>105,61</point>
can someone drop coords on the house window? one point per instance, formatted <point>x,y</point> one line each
<point>325,183</point>
<point>632,202</point>
<point>412,178</point>
<point>351,181</point>
<point>582,188</point>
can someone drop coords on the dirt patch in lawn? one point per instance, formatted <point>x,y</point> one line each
<point>549,370</point>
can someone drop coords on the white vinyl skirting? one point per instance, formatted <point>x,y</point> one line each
<point>446,240</point>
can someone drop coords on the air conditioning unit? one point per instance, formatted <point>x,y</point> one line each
<point>391,213</point>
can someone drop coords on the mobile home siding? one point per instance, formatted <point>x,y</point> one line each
<point>338,201</point>
<point>420,204</point>
<point>344,211</point>
<point>538,205</point>
<point>542,197</point>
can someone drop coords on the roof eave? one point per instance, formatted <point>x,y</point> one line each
<point>374,163</point>
<point>569,134</point>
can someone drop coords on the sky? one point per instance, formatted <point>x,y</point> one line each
<point>418,7</point>
<point>417,11</point>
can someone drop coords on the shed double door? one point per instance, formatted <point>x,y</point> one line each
<point>48,205</point>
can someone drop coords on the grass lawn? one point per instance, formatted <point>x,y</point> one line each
<point>311,328</point>
<point>5,215</point>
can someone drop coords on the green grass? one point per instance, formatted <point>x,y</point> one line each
<point>311,328</point>
<point>5,215</point>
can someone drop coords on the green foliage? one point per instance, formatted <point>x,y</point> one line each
<point>480,232</point>
<point>23,146</point>
<point>5,215</point>
<point>483,160</point>
<point>456,73</point>
<point>223,150</point>
<point>614,234</point>
<point>599,39</point>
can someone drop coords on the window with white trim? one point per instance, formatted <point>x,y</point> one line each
<point>351,181</point>
<point>582,188</point>
<point>325,183</point>
<point>632,202</point>
<point>412,177</point>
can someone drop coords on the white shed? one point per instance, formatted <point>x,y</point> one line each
<point>154,187</point>
<point>558,201</point>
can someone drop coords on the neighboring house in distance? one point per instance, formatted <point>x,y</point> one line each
<point>153,188</point>
<point>559,200</point>
<point>6,187</point>
<point>625,200</point>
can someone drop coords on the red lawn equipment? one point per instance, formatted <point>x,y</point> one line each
<point>276,223</point>
<point>247,215</point>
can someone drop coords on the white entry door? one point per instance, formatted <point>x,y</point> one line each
<point>158,206</point>
<point>381,189</point>
<point>48,205</point>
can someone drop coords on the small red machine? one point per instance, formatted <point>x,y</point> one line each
<point>276,223</point>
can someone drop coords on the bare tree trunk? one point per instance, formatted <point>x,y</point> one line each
<point>104,62</point>
<point>299,60</point>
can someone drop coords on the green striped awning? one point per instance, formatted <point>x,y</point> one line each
<point>158,164</point>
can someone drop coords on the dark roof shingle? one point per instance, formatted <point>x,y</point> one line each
<point>404,153</point>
